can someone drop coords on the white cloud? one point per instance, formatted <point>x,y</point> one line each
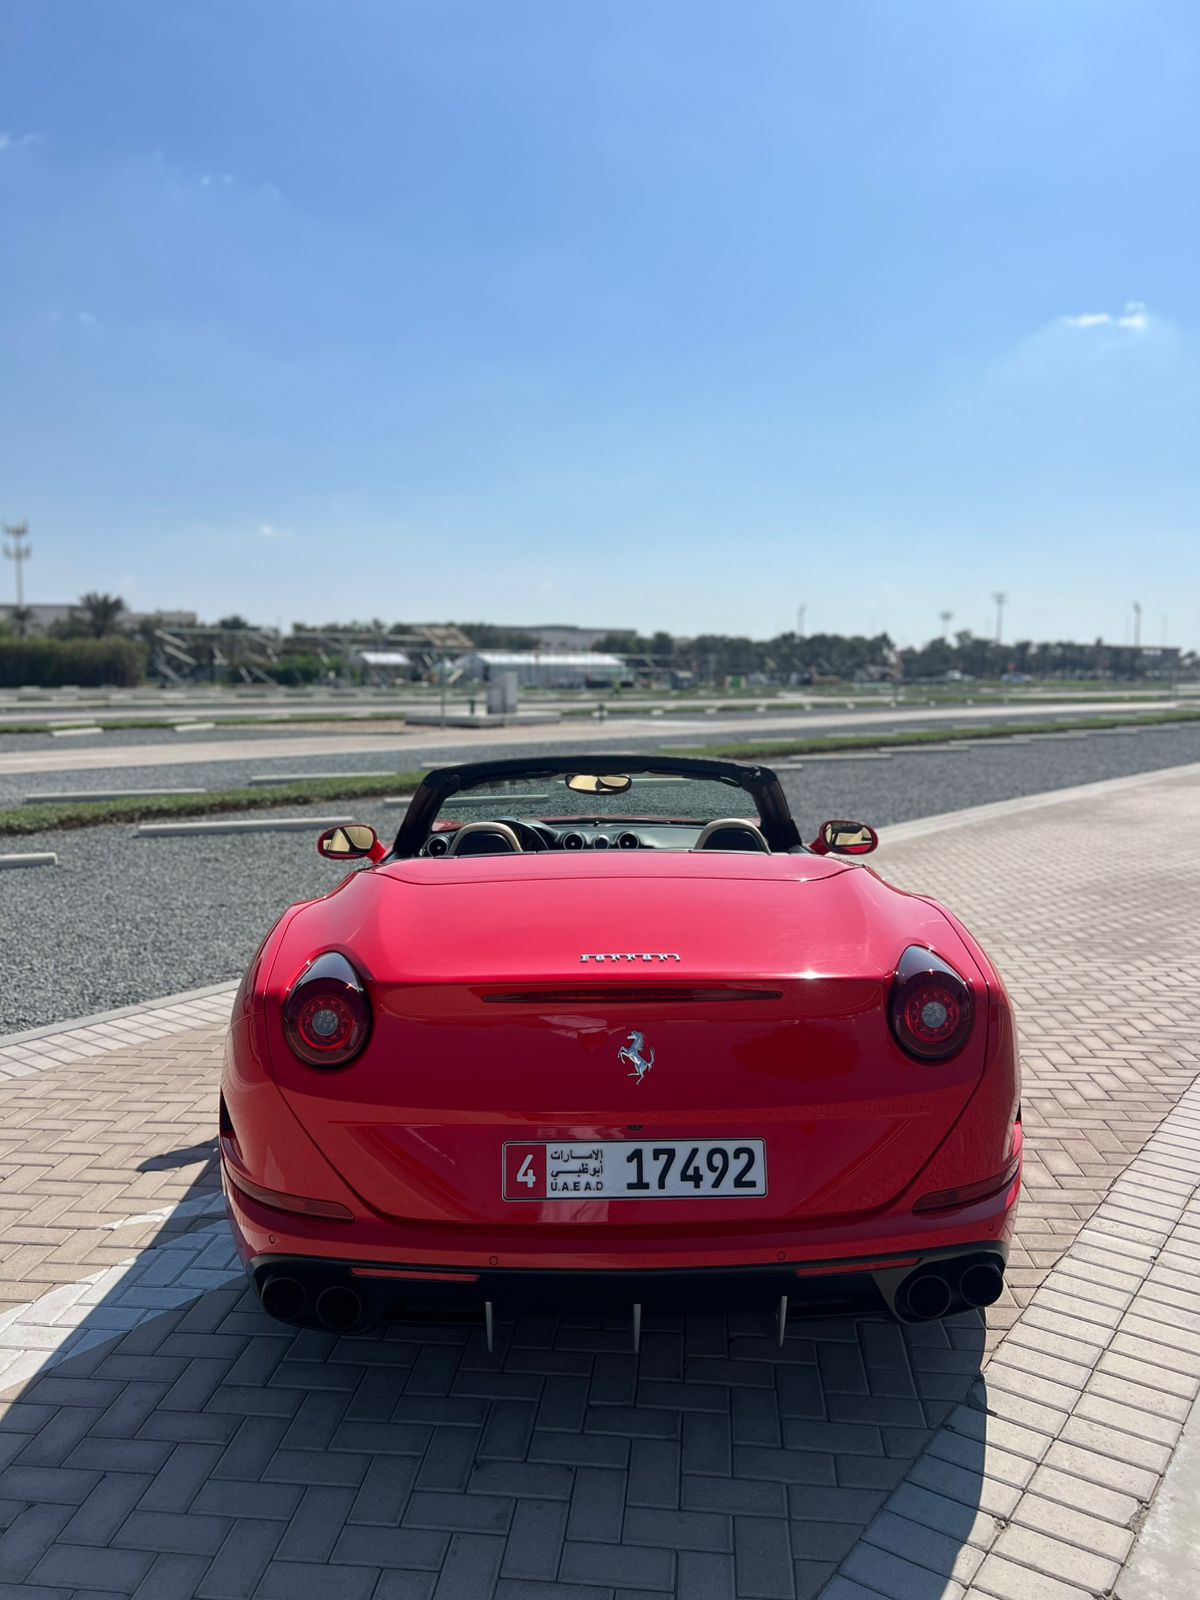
<point>225,179</point>
<point>268,530</point>
<point>9,140</point>
<point>1133,318</point>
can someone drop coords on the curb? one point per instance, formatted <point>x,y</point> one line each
<point>30,858</point>
<point>162,830</point>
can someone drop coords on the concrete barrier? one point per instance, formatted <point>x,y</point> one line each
<point>164,830</point>
<point>71,795</point>
<point>30,858</point>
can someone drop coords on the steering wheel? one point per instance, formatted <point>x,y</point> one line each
<point>531,839</point>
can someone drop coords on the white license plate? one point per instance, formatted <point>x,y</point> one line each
<point>621,1169</point>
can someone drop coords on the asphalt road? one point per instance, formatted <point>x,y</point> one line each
<point>125,918</point>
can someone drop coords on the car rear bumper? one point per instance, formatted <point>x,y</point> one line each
<point>953,1279</point>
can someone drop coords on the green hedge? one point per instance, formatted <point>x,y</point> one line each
<point>90,663</point>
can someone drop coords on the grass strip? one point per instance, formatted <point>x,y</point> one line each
<point>150,808</point>
<point>772,749</point>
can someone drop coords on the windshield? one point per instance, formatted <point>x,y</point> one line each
<point>643,796</point>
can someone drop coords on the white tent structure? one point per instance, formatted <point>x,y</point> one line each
<point>544,669</point>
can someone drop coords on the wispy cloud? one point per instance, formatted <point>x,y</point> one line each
<point>1134,318</point>
<point>12,141</point>
<point>210,179</point>
<point>268,530</point>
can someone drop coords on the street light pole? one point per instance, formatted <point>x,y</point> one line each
<point>800,610</point>
<point>18,550</point>
<point>946,616</point>
<point>1137,625</point>
<point>999,596</point>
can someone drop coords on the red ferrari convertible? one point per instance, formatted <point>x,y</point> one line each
<point>602,1030</point>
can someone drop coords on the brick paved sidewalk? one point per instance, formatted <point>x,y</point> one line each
<point>185,1445</point>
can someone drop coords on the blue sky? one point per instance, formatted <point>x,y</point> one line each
<point>680,314</point>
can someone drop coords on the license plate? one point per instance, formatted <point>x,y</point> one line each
<point>621,1169</point>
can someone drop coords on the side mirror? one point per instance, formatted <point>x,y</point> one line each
<point>844,839</point>
<point>350,841</point>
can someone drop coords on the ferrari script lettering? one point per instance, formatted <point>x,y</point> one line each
<point>638,955</point>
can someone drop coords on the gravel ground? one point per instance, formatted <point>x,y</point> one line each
<point>125,918</point>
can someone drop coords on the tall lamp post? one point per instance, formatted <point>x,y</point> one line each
<point>946,616</point>
<point>18,550</point>
<point>1000,597</point>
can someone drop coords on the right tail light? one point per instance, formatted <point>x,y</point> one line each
<point>930,1007</point>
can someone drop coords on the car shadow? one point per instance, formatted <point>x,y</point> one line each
<point>186,1420</point>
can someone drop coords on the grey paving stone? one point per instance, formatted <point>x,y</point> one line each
<point>678,1530</point>
<point>683,1396</point>
<point>471,1568</point>
<point>597,1505</point>
<point>755,1417</point>
<point>895,1577</point>
<point>29,1536</point>
<point>735,1495</point>
<point>338,1467</point>
<point>522,1589</point>
<point>707,1444</point>
<point>633,1422</point>
<point>574,1449</point>
<point>626,1565</point>
<point>121,1455</point>
<point>763,1556</point>
<point>473,1513</point>
<point>241,1562</point>
<point>77,1565</point>
<point>704,1576</point>
<point>50,1446</point>
<point>654,1471</point>
<point>170,1531</point>
<point>176,1485</point>
<point>811,1578</point>
<point>542,1481</point>
<point>535,1540</point>
<point>296,1580</point>
<point>782,1466</point>
<point>450,1459</point>
<point>317,1525</point>
<point>509,1430</point>
<point>62,1486</point>
<point>405,1586</point>
<point>105,1509</point>
<point>390,1547</point>
<point>384,1491</point>
<point>172,1577</point>
<point>262,1501</point>
<point>563,1404</point>
<point>801,1392</point>
<point>614,1378</point>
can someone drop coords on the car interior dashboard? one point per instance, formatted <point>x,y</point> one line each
<point>517,835</point>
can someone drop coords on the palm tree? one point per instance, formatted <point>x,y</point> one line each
<point>100,613</point>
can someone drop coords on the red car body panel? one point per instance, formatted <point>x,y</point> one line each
<point>489,1026</point>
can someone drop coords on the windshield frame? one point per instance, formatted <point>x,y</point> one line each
<point>760,783</point>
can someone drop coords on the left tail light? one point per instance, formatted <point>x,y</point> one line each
<point>930,1007</point>
<point>326,1015</point>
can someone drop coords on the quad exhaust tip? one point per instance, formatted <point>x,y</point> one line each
<point>926,1296</point>
<point>283,1297</point>
<point>981,1284</point>
<point>339,1307</point>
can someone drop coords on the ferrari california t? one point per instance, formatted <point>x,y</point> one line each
<point>603,1031</point>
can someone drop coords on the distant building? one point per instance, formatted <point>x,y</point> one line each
<point>384,667</point>
<point>566,636</point>
<point>544,669</point>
